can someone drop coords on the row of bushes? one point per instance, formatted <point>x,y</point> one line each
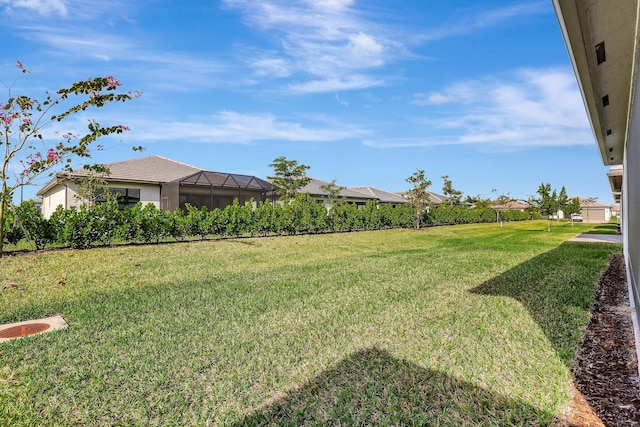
<point>449,215</point>
<point>105,224</point>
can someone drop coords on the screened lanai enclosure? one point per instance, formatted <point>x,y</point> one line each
<point>213,190</point>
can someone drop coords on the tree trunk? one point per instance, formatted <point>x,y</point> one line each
<point>3,209</point>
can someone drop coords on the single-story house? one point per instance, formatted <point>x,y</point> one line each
<point>595,212</point>
<point>166,183</point>
<point>434,198</point>
<point>615,211</point>
<point>346,194</point>
<point>512,205</point>
<point>383,197</point>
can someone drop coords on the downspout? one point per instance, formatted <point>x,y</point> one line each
<point>66,196</point>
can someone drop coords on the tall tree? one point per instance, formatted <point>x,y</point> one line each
<point>477,201</point>
<point>452,196</point>
<point>333,191</point>
<point>563,201</point>
<point>289,177</point>
<point>89,186</point>
<point>503,199</point>
<point>547,202</point>
<point>572,207</point>
<point>418,196</point>
<point>23,141</point>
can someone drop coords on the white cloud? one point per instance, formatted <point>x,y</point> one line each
<point>336,84</point>
<point>433,99</point>
<point>532,107</point>
<point>234,127</point>
<point>73,42</point>
<point>330,4</point>
<point>330,45</point>
<point>68,9</point>
<point>341,101</point>
<point>365,50</point>
<point>463,92</point>
<point>487,18</point>
<point>326,40</point>
<point>276,67</point>
<point>42,7</point>
<point>163,70</point>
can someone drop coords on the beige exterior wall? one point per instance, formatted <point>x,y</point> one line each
<point>596,215</point>
<point>50,201</point>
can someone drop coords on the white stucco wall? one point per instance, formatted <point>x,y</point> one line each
<point>53,198</point>
<point>66,195</point>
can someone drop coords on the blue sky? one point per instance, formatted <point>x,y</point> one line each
<point>363,91</point>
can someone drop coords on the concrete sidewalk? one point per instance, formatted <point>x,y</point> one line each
<point>608,238</point>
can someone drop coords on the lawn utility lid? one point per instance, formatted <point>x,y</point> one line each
<point>31,327</point>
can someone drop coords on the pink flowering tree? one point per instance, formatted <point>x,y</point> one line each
<point>28,153</point>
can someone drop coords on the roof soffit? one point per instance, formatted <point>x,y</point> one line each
<point>585,24</point>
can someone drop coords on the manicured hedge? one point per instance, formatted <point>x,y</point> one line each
<point>104,224</point>
<point>449,215</point>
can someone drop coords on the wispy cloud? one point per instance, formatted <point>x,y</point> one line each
<point>41,7</point>
<point>66,9</point>
<point>237,128</point>
<point>326,41</point>
<point>161,69</point>
<point>470,23</point>
<point>532,107</point>
<point>75,43</point>
<point>355,81</point>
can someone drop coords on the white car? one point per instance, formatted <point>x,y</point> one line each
<point>576,218</point>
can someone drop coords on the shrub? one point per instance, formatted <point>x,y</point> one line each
<point>177,224</point>
<point>12,231</point>
<point>33,225</point>
<point>153,226</point>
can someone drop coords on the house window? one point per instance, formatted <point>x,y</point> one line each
<point>127,197</point>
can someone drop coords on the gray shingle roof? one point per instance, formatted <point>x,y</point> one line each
<point>313,188</point>
<point>381,195</point>
<point>147,169</point>
<point>433,197</point>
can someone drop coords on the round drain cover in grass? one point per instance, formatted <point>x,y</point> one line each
<point>23,330</point>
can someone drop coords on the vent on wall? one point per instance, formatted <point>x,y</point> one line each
<point>601,56</point>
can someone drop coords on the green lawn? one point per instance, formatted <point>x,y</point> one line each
<point>464,325</point>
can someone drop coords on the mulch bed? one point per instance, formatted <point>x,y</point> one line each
<point>606,372</point>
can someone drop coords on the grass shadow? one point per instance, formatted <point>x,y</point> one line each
<point>558,289</point>
<point>609,228</point>
<point>371,387</point>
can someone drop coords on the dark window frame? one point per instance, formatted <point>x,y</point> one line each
<point>126,196</point>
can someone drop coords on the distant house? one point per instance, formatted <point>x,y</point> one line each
<point>595,212</point>
<point>437,199</point>
<point>383,197</point>
<point>346,194</point>
<point>615,211</point>
<point>512,205</point>
<point>166,183</point>
<point>434,198</point>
